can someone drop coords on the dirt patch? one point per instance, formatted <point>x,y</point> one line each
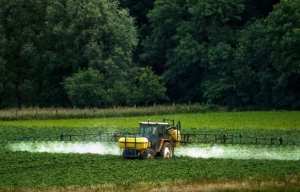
<point>166,187</point>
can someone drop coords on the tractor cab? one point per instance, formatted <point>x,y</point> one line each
<point>154,130</point>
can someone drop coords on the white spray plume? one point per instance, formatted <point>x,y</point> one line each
<point>195,151</point>
<point>240,152</point>
<point>67,147</point>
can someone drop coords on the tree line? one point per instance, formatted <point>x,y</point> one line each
<point>100,53</point>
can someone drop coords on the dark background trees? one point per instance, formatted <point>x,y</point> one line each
<point>242,54</point>
<point>46,41</point>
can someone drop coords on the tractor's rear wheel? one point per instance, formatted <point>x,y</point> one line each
<point>148,154</point>
<point>166,150</point>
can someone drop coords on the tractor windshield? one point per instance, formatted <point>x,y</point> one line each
<point>158,130</point>
<point>147,130</point>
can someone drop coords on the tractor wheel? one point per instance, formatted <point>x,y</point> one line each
<point>166,150</point>
<point>123,154</point>
<point>148,154</point>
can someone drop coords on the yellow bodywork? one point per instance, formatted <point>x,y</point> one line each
<point>174,136</point>
<point>138,143</point>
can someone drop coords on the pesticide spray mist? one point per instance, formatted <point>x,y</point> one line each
<point>67,147</point>
<point>241,152</point>
<point>195,151</point>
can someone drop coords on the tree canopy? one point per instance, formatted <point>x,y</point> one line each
<point>85,88</point>
<point>149,87</point>
<point>236,53</point>
<point>46,41</point>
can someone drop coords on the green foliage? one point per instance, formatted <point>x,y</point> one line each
<point>98,34</point>
<point>149,87</point>
<point>54,170</point>
<point>24,171</point>
<point>2,64</point>
<point>139,9</point>
<point>253,73</point>
<point>284,37</point>
<point>95,112</point>
<point>197,42</point>
<point>85,88</point>
<point>260,123</point>
<point>265,64</point>
<point>235,53</point>
<point>20,32</point>
<point>46,41</point>
<point>118,94</point>
<point>162,20</point>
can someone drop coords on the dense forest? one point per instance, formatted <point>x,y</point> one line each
<point>243,54</point>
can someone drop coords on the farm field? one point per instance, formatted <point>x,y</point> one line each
<point>93,166</point>
<point>270,119</point>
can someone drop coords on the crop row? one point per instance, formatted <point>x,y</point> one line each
<point>33,169</point>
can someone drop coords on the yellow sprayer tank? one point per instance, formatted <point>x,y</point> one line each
<point>174,136</point>
<point>137,143</point>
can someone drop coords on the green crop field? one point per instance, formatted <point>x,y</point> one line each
<point>94,166</point>
<point>271,120</point>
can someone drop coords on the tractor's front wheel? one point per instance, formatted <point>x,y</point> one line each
<point>148,154</point>
<point>124,154</point>
<point>166,150</point>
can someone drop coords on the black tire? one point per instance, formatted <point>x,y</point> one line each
<point>123,154</point>
<point>166,150</point>
<point>148,154</point>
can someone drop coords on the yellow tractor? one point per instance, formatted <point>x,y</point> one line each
<point>155,139</point>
